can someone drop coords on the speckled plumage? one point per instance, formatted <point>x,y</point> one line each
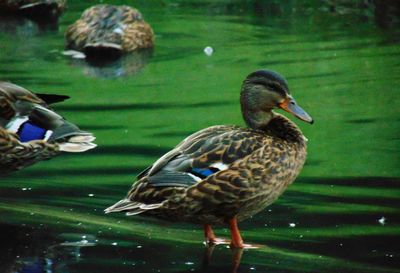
<point>247,168</point>
<point>15,154</point>
<point>260,169</point>
<point>15,100</point>
<point>18,106</point>
<point>120,28</point>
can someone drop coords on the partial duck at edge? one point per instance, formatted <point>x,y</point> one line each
<point>41,10</point>
<point>30,131</point>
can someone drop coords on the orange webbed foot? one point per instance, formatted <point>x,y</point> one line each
<point>217,241</point>
<point>211,239</point>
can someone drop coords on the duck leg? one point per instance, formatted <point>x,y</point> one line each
<point>237,241</point>
<point>211,238</point>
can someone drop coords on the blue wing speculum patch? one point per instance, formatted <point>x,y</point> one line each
<point>27,130</point>
<point>203,173</point>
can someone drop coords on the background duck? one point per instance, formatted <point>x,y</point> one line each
<point>30,131</point>
<point>45,9</point>
<point>225,174</point>
<point>109,30</point>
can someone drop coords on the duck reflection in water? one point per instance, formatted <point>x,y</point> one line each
<point>236,258</point>
<point>53,258</point>
<point>22,27</point>
<point>113,66</point>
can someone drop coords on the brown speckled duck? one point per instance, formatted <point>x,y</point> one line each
<point>109,29</point>
<point>30,131</point>
<point>35,8</point>
<point>225,174</point>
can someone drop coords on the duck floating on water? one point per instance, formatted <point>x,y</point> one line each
<point>224,173</point>
<point>108,31</point>
<point>30,131</point>
<point>40,9</point>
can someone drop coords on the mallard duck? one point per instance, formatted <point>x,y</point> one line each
<point>30,131</point>
<point>109,30</point>
<point>42,8</point>
<point>225,173</point>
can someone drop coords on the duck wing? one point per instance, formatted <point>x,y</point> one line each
<point>201,155</point>
<point>16,100</point>
<point>29,117</point>
<point>190,164</point>
<point>198,157</point>
<point>15,154</point>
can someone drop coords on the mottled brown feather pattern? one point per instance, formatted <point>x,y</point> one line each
<point>9,95</point>
<point>106,25</point>
<point>15,155</point>
<point>261,165</point>
<point>137,35</point>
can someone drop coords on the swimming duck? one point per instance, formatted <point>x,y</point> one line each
<point>109,30</point>
<point>36,8</point>
<point>30,131</point>
<point>225,173</point>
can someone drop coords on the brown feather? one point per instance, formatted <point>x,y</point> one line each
<point>15,155</point>
<point>108,26</point>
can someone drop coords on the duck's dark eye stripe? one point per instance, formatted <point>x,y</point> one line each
<point>277,87</point>
<point>274,86</point>
<point>260,82</point>
<point>270,85</point>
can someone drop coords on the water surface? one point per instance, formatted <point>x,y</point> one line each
<point>341,214</point>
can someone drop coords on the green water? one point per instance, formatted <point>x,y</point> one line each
<point>342,68</point>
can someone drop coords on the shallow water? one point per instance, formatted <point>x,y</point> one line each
<point>342,68</point>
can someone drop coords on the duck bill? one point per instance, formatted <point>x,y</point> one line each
<point>291,106</point>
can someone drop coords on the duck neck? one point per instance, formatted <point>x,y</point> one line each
<point>257,119</point>
<point>276,125</point>
<point>282,127</point>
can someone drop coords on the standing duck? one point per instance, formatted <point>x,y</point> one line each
<point>30,131</point>
<point>108,30</point>
<point>225,173</point>
<point>41,9</point>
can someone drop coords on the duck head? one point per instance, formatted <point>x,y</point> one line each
<point>265,90</point>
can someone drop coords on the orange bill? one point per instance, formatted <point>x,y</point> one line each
<point>291,106</point>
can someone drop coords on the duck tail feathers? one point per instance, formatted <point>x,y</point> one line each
<point>41,4</point>
<point>71,139</point>
<point>52,98</point>
<point>76,147</point>
<point>132,208</point>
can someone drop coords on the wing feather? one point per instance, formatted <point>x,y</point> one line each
<point>213,148</point>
